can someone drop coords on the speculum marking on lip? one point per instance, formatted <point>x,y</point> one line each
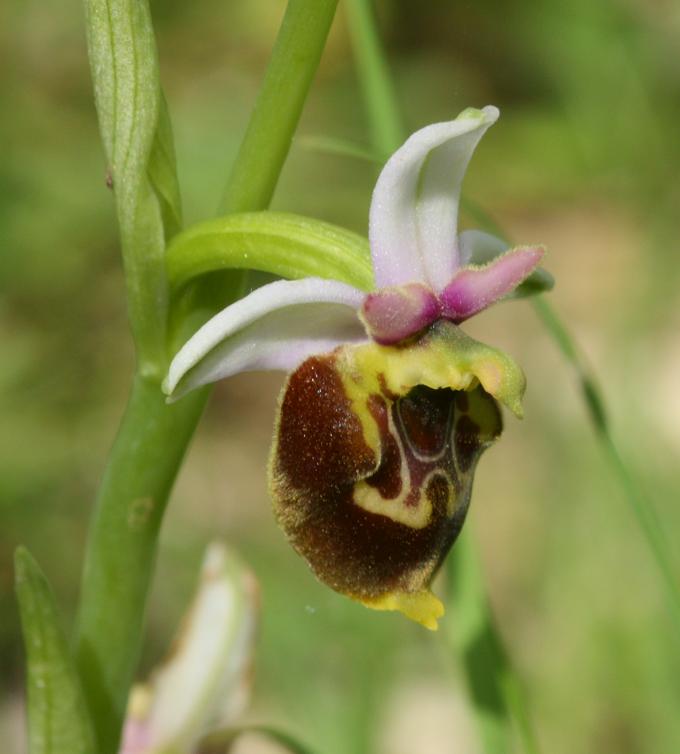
<point>387,480</point>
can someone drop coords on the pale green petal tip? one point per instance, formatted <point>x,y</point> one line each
<point>488,114</point>
<point>23,564</point>
<point>444,357</point>
<point>498,373</point>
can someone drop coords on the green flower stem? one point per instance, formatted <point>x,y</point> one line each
<point>144,461</point>
<point>494,687</point>
<point>293,63</point>
<point>642,508</point>
<point>153,436</point>
<point>495,691</point>
<point>380,100</point>
<point>264,148</point>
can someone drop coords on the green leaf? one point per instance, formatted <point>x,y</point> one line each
<point>137,141</point>
<point>377,88</point>
<point>280,243</point>
<point>57,717</point>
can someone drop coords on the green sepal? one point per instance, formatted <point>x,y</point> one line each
<point>163,173</point>
<point>58,721</point>
<point>280,243</point>
<point>540,281</point>
<point>137,140</point>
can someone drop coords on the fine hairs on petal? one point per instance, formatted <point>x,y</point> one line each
<point>391,315</point>
<point>475,288</point>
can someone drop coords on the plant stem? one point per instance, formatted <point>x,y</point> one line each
<point>142,466</point>
<point>495,690</point>
<point>265,146</point>
<point>153,436</point>
<point>380,99</point>
<point>643,510</point>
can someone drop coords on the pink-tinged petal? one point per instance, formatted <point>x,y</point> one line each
<point>205,681</point>
<point>414,211</point>
<point>478,248</point>
<point>392,314</point>
<point>136,737</point>
<point>275,327</point>
<point>476,288</point>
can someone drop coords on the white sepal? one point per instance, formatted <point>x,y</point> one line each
<point>277,326</point>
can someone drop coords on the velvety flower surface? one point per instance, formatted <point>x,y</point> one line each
<point>389,404</point>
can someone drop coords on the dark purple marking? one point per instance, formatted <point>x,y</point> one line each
<point>320,454</point>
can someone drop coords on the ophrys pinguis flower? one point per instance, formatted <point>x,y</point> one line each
<point>389,404</point>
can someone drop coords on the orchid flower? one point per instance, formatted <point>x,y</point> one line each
<point>389,404</point>
<point>205,682</point>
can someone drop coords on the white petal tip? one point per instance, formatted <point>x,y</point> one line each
<point>169,388</point>
<point>275,327</point>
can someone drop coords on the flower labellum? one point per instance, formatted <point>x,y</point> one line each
<point>389,405</point>
<point>373,458</point>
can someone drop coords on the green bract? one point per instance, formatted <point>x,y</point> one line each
<point>281,243</point>
<point>57,716</point>
<point>139,150</point>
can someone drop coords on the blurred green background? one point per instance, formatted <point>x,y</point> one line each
<point>585,159</point>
